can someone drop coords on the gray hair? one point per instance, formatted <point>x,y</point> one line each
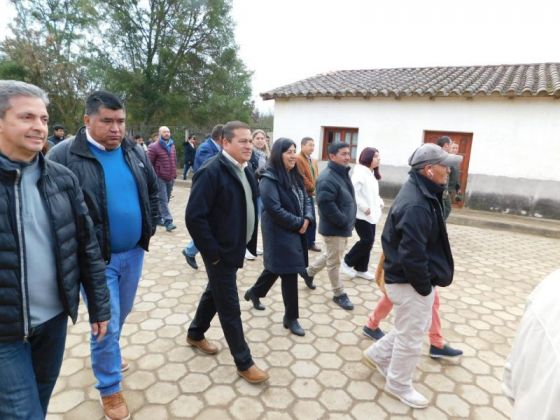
<point>11,88</point>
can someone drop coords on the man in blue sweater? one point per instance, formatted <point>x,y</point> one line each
<point>121,191</point>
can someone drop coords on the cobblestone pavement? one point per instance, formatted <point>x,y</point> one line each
<point>320,375</point>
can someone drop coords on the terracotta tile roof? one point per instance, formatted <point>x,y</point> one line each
<point>503,80</point>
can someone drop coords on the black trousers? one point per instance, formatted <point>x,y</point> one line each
<point>289,290</point>
<point>221,296</point>
<point>358,256</point>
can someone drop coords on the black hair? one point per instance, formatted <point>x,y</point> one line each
<point>101,98</point>
<point>230,127</point>
<point>58,126</point>
<point>443,140</point>
<point>334,147</point>
<point>286,179</point>
<point>217,132</point>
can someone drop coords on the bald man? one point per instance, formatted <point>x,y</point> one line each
<point>162,155</point>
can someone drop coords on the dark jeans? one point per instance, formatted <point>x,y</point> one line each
<point>358,256</point>
<point>186,168</point>
<point>29,370</point>
<point>221,296</point>
<point>289,290</point>
<point>311,231</point>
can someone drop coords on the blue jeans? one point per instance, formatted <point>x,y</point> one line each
<point>191,250</point>
<point>164,189</point>
<point>29,370</point>
<point>123,275</point>
<point>186,168</point>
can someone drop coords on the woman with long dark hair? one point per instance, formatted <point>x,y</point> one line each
<point>286,215</point>
<point>364,178</point>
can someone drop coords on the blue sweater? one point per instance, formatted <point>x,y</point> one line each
<point>123,201</point>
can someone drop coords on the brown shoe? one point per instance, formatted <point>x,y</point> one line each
<point>315,248</point>
<point>253,375</point>
<point>203,345</point>
<point>124,365</point>
<point>114,407</point>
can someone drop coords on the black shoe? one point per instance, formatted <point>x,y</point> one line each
<point>190,260</point>
<point>249,295</point>
<point>376,334</point>
<point>308,280</point>
<point>293,326</point>
<point>343,302</point>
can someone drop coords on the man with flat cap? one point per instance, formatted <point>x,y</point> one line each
<point>417,258</point>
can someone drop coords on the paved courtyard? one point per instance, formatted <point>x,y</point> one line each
<point>319,376</point>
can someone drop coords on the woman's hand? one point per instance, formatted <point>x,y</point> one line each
<point>304,227</point>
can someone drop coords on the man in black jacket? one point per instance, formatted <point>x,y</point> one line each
<point>49,250</point>
<point>337,211</point>
<point>121,192</point>
<point>417,258</point>
<point>221,217</point>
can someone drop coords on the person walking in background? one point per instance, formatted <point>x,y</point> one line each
<point>308,168</point>
<point>49,251</point>
<point>163,158</point>
<point>121,192</point>
<point>58,135</point>
<point>364,179</point>
<point>221,217</point>
<point>189,153</point>
<point>454,184</point>
<point>417,258</point>
<point>207,150</point>
<point>140,142</point>
<point>337,211</point>
<point>286,217</point>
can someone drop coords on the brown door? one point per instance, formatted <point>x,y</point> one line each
<point>464,140</point>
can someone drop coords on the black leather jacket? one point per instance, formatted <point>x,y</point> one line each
<point>74,153</point>
<point>78,258</point>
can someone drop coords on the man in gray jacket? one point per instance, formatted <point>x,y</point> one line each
<point>337,211</point>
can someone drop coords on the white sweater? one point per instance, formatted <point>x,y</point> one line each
<point>367,194</point>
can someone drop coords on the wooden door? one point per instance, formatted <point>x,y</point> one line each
<point>464,140</point>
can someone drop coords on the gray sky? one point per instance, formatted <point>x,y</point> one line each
<point>283,41</point>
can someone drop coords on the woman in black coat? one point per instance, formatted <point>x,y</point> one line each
<point>286,216</point>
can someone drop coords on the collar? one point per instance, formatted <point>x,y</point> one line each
<point>428,187</point>
<point>216,144</point>
<point>341,169</point>
<point>240,166</point>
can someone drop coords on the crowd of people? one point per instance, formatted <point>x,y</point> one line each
<point>96,199</point>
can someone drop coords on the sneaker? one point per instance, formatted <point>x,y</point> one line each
<point>343,302</point>
<point>376,334</point>
<point>259,251</point>
<point>370,361</point>
<point>412,398</point>
<point>114,407</point>
<point>446,352</point>
<point>365,275</point>
<point>249,256</point>
<point>346,269</point>
<point>169,226</point>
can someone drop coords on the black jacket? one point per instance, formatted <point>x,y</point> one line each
<point>285,250</point>
<point>78,258</point>
<point>414,238</point>
<point>216,214</point>
<point>75,154</point>
<point>336,201</point>
<point>189,153</point>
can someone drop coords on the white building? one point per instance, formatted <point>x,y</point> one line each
<point>506,120</point>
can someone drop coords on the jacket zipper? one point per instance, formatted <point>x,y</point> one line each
<point>23,270</point>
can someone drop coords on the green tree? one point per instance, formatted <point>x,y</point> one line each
<point>175,62</point>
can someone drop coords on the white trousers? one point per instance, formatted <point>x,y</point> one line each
<point>399,350</point>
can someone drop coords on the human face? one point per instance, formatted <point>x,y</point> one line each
<point>454,149</point>
<point>289,158</point>
<point>164,133</point>
<point>23,129</point>
<point>437,173</point>
<point>342,157</point>
<point>59,132</point>
<point>375,161</point>
<point>308,148</point>
<point>446,147</point>
<point>259,141</point>
<point>106,127</point>
<point>240,146</point>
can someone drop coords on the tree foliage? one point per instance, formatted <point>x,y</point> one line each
<point>174,62</point>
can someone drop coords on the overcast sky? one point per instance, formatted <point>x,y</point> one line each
<point>283,41</point>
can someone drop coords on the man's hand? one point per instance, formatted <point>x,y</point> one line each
<point>367,212</point>
<point>304,226</point>
<point>99,329</point>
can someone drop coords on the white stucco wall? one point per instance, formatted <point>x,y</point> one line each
<point>514,138</point>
